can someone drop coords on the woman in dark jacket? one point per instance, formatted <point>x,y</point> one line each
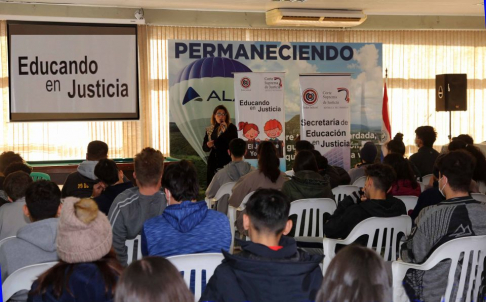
<point>217,139</point>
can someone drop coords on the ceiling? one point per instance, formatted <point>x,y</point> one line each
<point>370,7</point>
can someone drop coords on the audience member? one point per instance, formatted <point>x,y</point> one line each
<point>186,226</point>
<point>35,242</point>
<point>465,138</point>
<point>134,206</point>
<point>424,159</point>
<point>479,173</point>
<point>7,158</point>
<point>152,279</point>
<point>268,175</point>
<point>17,166</point>
<point>367,156</point>
<point>232,172</point>
<point>270,266</point>
<point>406,182</point>
<point>356,274</point>
<point>80,183</point>
<point>337,175</point>
<point>458,216</point>
<point>374,203</point>
<point>396,146</point>
<point>307,182</point>
<point>11,215</point>
<point>302,145</point>
<point>110,184</point>
<point>88,269</point>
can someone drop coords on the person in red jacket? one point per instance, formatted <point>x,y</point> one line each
<point>406,183</point>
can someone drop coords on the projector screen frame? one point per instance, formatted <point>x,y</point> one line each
<point>73,117</point>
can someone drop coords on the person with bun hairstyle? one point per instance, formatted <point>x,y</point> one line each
<point>88,269</point>
<point>397,146</point>
<point>217,139</point>
<point>152,279</point>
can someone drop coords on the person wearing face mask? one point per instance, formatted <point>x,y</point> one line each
<point>217,139</point>
<point>457,216</point>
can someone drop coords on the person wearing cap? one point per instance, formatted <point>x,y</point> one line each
<point>88,269</point>
<point>367,155</point>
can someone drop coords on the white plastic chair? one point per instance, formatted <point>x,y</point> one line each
<point>360,182</point>
<point>225,189</point>
<point>232,218</point>
<point>129,244</point>
<point>370,226</point>
<point>5,239</point>
<point>455,250</point>
<point>23,278</point>
<point>426,178</point>
<point>422,186</point>
<point>290,173</point>
<point>409,201</point>
<point>197,265</point>
<point>482,187</point>
<point>479,196</point>
<point>307,208</point>
<point>340,192</point>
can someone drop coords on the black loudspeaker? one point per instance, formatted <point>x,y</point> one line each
<point>451,92</point>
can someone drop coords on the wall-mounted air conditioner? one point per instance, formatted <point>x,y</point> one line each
<point>314,17</point>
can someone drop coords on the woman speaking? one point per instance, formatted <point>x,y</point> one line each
<point>217,139</point>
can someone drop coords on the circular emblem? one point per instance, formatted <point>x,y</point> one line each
<point>309,96</point>
<point>245,82</point>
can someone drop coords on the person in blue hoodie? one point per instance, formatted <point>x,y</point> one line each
<point>186,226</point>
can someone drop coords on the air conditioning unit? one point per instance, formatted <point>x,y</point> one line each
<point>314,17</point>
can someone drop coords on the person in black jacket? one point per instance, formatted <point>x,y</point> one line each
<point>217,139</point>
<point>374,203</point>
<point>270,267</point>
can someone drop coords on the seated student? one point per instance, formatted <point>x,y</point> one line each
<point>80,183</point>
<point>152,279</point>
<point>12,214</point>
<point>187,226</point>
<point>396,146</point>
<point>302,145</point>
<point>356,274</point>
<point>7,158</point>
<point>134,206</point>
<point>14,167</point>
<point>479,173</point>
<point>337,175</point>
<point>270,266</point>
<point>307,182</point>
<point>424,159</point>
<point>367,155</point>
<point>231,172</point>
<point>374,203</point>
<point>406,182</point>
<point>110,184</point>
<point>458,216</point>
<point>35,242</point>
<point>87,269</point>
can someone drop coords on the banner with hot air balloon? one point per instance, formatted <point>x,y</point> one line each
<point>325,116</point>
<point>260,112</point>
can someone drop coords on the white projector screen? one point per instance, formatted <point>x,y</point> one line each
<point>72,72</point>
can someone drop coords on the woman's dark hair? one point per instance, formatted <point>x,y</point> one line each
<point>180,179</point>
<point>479,173</point>
<point>322,162</point>
<point>305,160</point>
<point>396,145</point>
<point>58,275</point>
<point>227,119</point>
<point>17,166</point>
<point>356,274</point>
<point>268,162</point>
<point>402,168</point>
<point>152,279</point>
<point>464,137</point>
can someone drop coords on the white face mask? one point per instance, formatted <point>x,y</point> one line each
<point>442,190</point>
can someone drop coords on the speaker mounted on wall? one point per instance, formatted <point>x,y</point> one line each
<point>451,92</point>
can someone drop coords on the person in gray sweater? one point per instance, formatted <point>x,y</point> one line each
<point>36,241</point>
<point>11,214</point>
<point>230,173</point>
<point>134,206</point>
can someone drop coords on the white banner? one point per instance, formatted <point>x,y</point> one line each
<point>259,111</point>
<point>325,116</point>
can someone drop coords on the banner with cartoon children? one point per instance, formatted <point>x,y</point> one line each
<point>325,115</point>
<point>259,112</point>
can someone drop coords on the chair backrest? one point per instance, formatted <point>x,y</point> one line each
<point>426,178</point>
<point>422,187</point>
<point>197,269</point>
<point>470,252</point>
<point>479,196</point>
<point>131,252</point>
<point>232,218</point>
<point>290,173</point>
<point>409,201</point>
<point>225,189</point>
<point>360,182</point>
<point>23,278</point>
<point>340,192</point>
<point>39,176</point>
<point>5,239</point>
<point>482,187</point>
<point>311,210</point>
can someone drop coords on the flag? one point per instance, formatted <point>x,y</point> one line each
<point>385,125</point>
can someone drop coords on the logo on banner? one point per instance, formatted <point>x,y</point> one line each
<point>245,83</point>
<point>309,96</point>
<point>279,80</point>
<point>346,98</point>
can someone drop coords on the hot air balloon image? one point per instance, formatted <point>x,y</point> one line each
<point>198,89</point>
